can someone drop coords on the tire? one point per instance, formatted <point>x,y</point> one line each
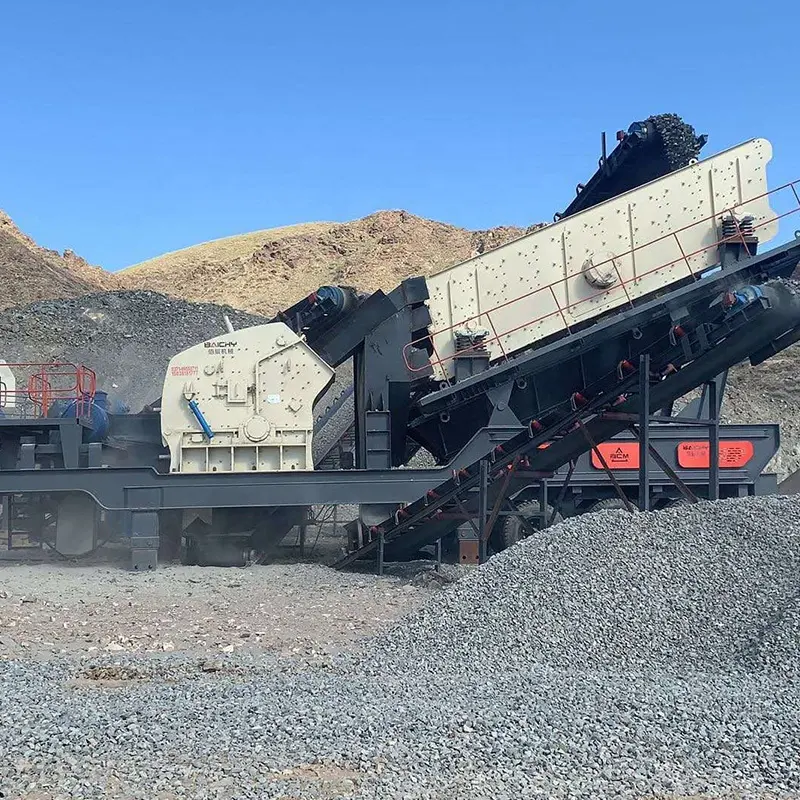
<point>610,504</point>
<point>513,532</point>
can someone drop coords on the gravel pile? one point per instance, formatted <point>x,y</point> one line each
<point>679,141</point>
<point>127,338</point>
<point>263,730</point>
<point>645,656</point>
<point>710,587</point>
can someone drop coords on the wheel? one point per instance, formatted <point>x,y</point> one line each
<point>610,504</point>
<point>512,530</point>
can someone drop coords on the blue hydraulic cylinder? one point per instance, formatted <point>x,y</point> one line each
<point>198,415</point>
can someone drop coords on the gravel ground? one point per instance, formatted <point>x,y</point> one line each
<point>645,656</point>
<point>49,610</point>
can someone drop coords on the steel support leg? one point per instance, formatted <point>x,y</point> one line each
<point>667,469</point>
<point>500,500</point>
<point>468,543</point>
<point>561,494</point>
<point>543,502</point>
<point>644,432</point>
<point>438,555</point>
<point>5,527</point>
<point>483,510</point>
<point>381,547</point>
<point>144,540</point>
<point>713,442</point>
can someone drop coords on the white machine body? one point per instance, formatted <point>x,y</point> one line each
<point>255,390</point>
<point>8,387</point>
<point>599,259</point>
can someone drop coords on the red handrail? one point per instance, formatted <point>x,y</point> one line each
<point>48,382</point>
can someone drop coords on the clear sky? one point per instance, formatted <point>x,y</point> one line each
<point>132,128</point>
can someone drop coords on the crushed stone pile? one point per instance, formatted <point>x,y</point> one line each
<point>711,587</point>
<point>616,656</point>
<point>768,394</point>
<point>127,337</point>
<point>680,143</point>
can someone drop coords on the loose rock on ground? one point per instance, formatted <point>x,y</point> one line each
<point>643,656</point>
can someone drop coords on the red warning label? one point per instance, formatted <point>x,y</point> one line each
<point>618,455</point>
<point>185,371</point>
<point>732,454</point>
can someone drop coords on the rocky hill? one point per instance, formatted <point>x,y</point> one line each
<point>265,271</point>
<point>262,271</point>
<point>29,272</point>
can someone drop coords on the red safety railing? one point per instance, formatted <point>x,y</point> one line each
<point>40,385</point>
<point>738,237</point>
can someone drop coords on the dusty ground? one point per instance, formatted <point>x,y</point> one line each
<point>295,609</point>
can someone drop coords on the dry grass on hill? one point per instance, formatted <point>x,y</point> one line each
<point>269,270</point>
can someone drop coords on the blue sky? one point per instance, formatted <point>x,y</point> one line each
<point>134,128</point>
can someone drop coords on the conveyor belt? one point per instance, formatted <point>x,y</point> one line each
<point>554,369</point>
<point>649,150</point>
<point>729,340</point>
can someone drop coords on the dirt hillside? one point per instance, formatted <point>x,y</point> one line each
<point>29,272</point>
<point>265,271</point>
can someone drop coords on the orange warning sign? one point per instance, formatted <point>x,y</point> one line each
<point>732,454</point>
<point>618,455</point>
